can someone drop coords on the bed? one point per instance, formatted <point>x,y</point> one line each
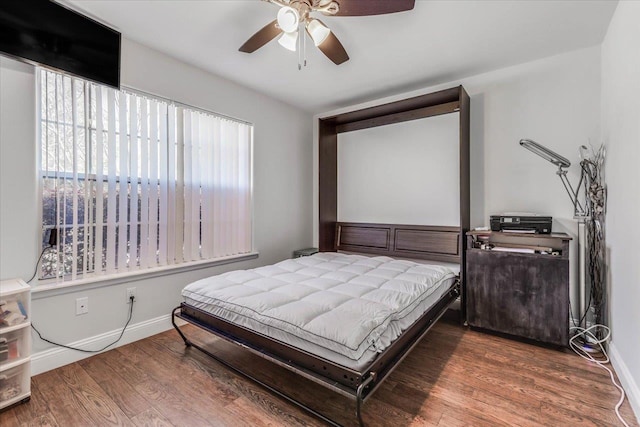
<point>342,320</point>
<point>389,282</point>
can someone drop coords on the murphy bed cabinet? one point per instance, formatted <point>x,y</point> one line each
<point>518,284</point>
<point>15,342</point>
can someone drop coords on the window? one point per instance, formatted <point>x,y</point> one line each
<point>132,182</point>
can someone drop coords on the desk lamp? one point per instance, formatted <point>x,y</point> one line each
<point>563,164</point>
<point>579,212</point>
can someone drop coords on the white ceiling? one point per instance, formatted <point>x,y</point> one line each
<point>437,42</point>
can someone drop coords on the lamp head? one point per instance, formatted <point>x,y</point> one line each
<point>289,41</point>
<point>288,19</point>
<point>317,31</point>
<point>545,153</point>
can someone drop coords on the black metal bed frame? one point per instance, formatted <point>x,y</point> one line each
<point>354,384</point>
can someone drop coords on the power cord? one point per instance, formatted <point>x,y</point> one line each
<point>584,315</point>
<point>131,298</point>
<point>52,241</point>
<point>588,336</point>
<point>44,250</point>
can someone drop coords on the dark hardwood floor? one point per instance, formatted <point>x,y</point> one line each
<point>454,377</point>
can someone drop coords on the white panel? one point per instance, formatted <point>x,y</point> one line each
<point>234,191</point>
<point>58,132</point>
<point>189,251</point>
<point>214,190</point>
<point>76,165</point>
<point>64,166</point>
<point>217,185</point>
<point>134,174</point>
<point>171,186</point>
<point>144,179</point>
<point>243,162</point>
<point>224,164</point>
<point>123,202</point>
<point>88,199</point>
<point>164,191</point>
<point>196,183</point>
<point>248,189</point>
<point>179,205</point>
<point>153,184</point>
<point>405,173</point>
<point>227,161</point>
<point>208,220</point>
<point>99,237</point>
<point>111,202</point>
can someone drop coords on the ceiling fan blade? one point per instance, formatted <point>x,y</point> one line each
<point>333,49</point>
<point>373,7</point>
<point>262,37</point>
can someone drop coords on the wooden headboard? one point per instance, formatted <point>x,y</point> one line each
<point>435,243</point>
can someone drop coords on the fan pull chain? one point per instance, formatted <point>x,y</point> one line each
<point>302,47</point>
<point>299,49</point>
<point>302,31</point>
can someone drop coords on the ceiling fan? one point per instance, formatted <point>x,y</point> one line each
<point>294,19</point>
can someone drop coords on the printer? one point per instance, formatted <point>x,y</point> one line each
<point>521,223</point>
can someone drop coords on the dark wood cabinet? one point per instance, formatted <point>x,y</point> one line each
<point>520,294</point>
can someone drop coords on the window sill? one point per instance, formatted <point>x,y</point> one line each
<point>48,288</point>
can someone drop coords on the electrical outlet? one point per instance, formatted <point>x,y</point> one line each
<point>82,306</point>
<point>131,292</point>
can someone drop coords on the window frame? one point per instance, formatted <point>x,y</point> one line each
<point>57,284</point>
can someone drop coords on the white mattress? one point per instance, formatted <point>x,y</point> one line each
<point>345,308</point>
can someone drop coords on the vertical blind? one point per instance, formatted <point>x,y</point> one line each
<point>131,182</point>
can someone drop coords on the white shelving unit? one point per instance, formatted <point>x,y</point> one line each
<point>15,342</point>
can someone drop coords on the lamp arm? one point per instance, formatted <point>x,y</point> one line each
<point>573,194</point>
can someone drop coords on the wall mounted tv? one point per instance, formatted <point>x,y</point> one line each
<point>44,32</point>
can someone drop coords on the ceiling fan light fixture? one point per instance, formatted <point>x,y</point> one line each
<point>317,31</point>
<point>288,19</point>
<point>289,41</point>
<point>293,15</point>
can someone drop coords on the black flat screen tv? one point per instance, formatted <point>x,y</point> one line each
<point>46,33</point>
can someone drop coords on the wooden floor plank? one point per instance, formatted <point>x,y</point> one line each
<point>115,386</point>
<point>245,410</point>
<point>262,400</point>
<point>46,420</point>
<point>38,406</point>
<point>60,400</point>
<point>170,393</point>
<point>9,419</point>
<point>151,418</point>
<point>548,386</point>
<point>92,397</point>
<point>454,377</point>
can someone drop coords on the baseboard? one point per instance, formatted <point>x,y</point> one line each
<point>56,357</point>
<point>628,383</point>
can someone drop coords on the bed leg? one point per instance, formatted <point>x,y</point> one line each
<point>358,411</point>
<point>173,322</point>
<point>359,399</point>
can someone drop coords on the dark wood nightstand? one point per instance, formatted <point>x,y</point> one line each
<point>519,287</point>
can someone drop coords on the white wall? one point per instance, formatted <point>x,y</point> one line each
<point>555,101</point>
<point>282,200</point>
<point>387,174</point>
<point>621,133</point>
<point>19,219</point>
